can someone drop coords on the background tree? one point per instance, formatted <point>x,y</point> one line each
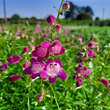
<point>76,12</point>
<point>15,17</point>
<point>72,12</point>
<point>84,16</point>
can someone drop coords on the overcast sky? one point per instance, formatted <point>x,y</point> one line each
<point>42,8</point>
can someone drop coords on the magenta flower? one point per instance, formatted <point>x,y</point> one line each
<point>39,98</point>
<point>42,51</point>
<point>4,67</point>
<point>25,65</point>
<point>53,70</point>
<point>15,77</point>
<point>104,81</point>
<point>25,50</point>
<point>87,72</point>
<point>92,44</point>
<point>75,76</point>
<point>79,82</point>
<point>14,59</point>
<point>57,48</point>
<point>17,33</point>
<point>35,69</point>
<point>38,29</point>
<point>57,27</point>
<point>80,70</point>
<point>91,53</point>
<point>44,35</point>
<point>51,20</point>
<point>80,53</point>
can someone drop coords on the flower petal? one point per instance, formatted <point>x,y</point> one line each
<point>34,75</point>
<point>58,61</point>
<point>52,79</point>
<point>14,59</point>
<point>44,74</point>
<point>15,77</point>
<point>28,70</point>
<point>62,75</point>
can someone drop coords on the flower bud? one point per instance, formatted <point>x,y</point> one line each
<point>25,49</point>
<point>25,65</point>
<point>39,98</point>
<point>104,81</point>
<point>57,27</point>
<point>66,6</point>
<point>51,20</point>
<point>79,82</point>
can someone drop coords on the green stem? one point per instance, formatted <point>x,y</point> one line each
<point>60,9</point>
<point>28,83</point>
<point>28,103</point>
<point>55,97</point>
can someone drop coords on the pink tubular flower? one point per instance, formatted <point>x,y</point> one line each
<point>66,6</point>
<point>25,65</point>
<point>37,29</point>
<point>44,35</point>
<point>25,50</point>
<point>51,20</point>
<point>4,67</point>
<point>104,81</point>
<point>79,82</point>
<point>57,48</point>
<point>15,77</point>
<point>91,53</point>
<point>35,69</point>
<point>75,76</point>
<point>92,44</point>
<point>42,51</point>
<point>80,53</point>
<point>80,70</point>
<point>87,72</point>
<point>53,70</point>
<point>57,27</point>
<point>39,98</point>
<point>14,59</point>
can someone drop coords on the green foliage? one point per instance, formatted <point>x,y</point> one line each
<point>92,95</point>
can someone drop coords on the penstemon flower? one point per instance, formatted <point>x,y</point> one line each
<point>15,77</point>
<point>42,51</point>
<point>91,53</point>
<point>57,48</point>
<point>4,67</point>
<point>53,70</point>
<point>57,27</point>
<point>25,50</point>
<point>104,81</point>
<point>35,69</point>
<point>14,59</point>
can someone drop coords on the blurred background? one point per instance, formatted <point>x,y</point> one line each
<point>81,12</point>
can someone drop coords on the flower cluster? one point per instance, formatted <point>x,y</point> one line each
<point>51,21</point>
<point>50,69</point>
<point>84,56</point>
<point>14,60</point>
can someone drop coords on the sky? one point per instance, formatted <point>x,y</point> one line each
<point>43,8</point>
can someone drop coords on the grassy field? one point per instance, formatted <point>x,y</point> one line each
<point>63,94</point>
